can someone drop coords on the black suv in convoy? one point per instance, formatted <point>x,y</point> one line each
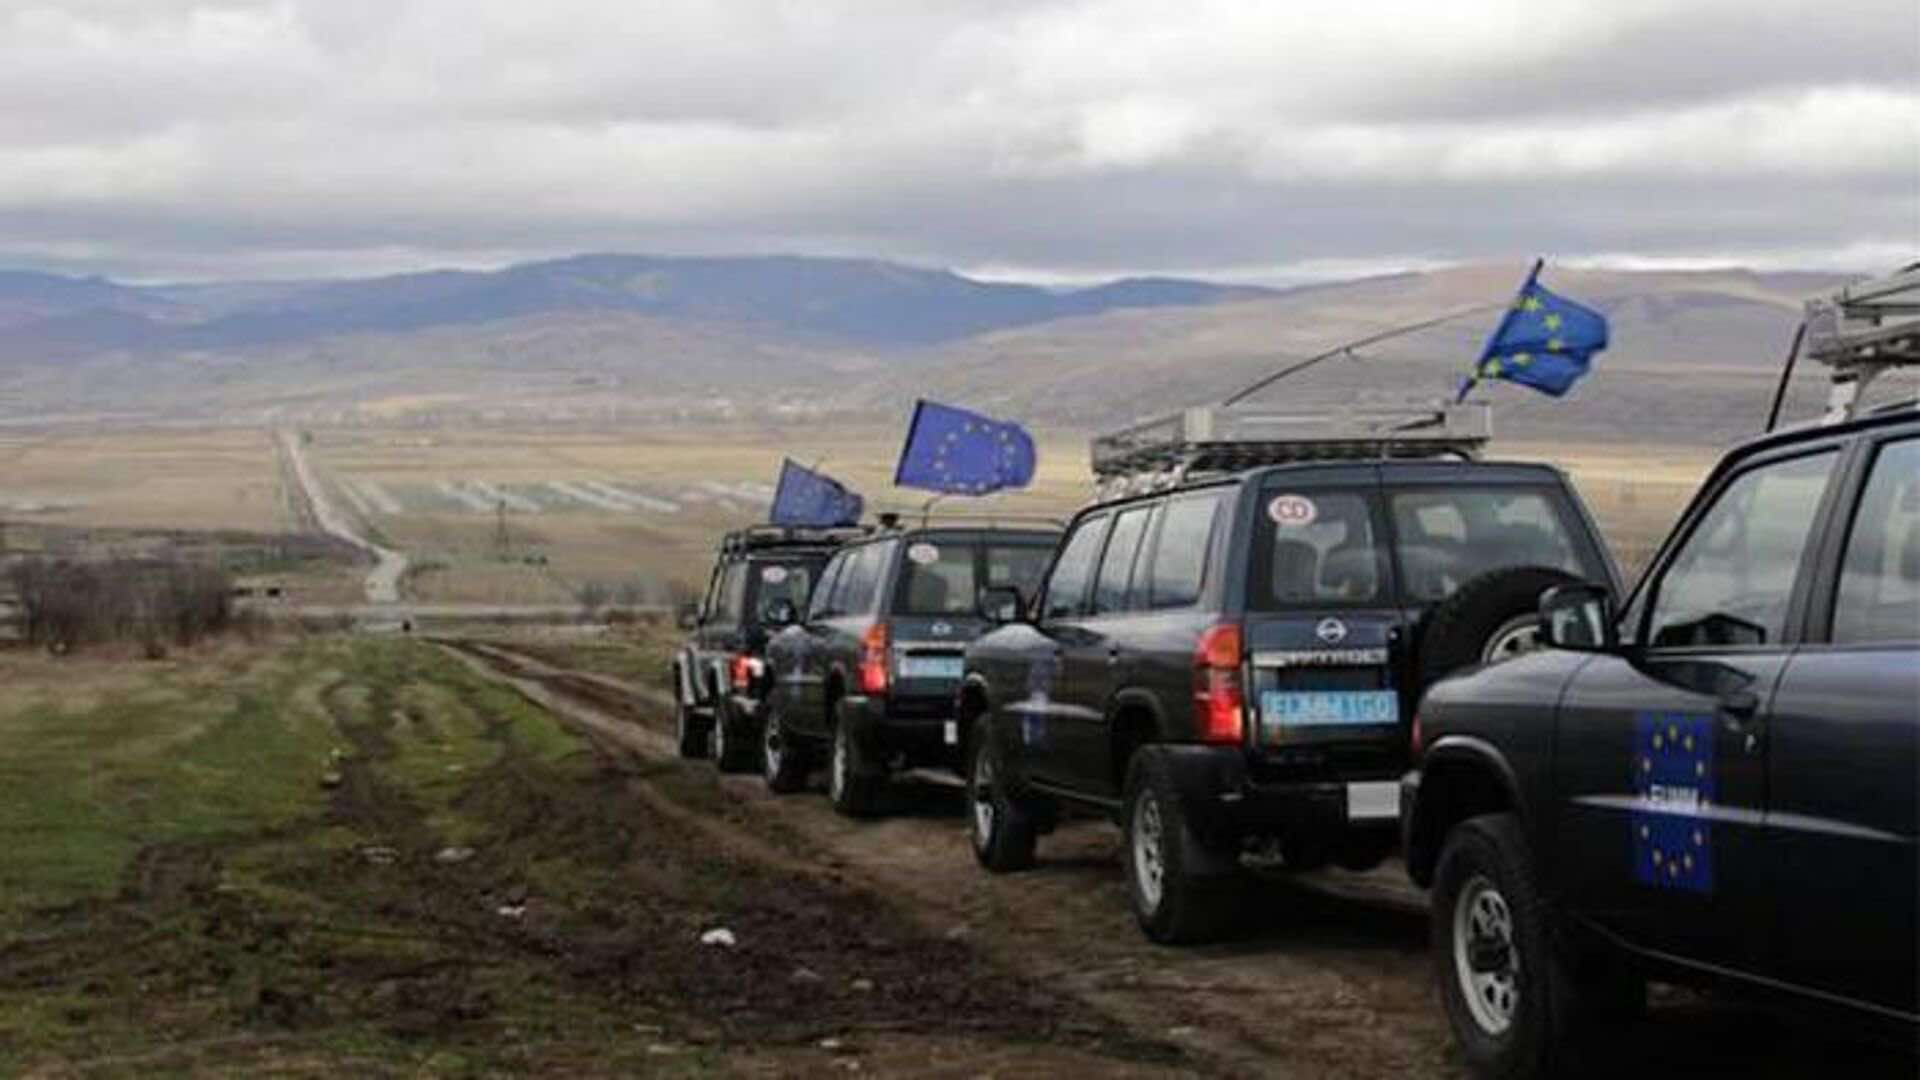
<point>715,670</point>
<point>1232,664</point>
<point>866,677</point>
<point>1717,782</point>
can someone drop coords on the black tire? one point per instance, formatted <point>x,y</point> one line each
<point>854,782</point>
<point>785,762</point>
<point>689,732</point>
<point>734,742</point>
<point>1481,613</point>
<point>1003,828</point>
<point>1198,884</point>
<point>1485,880</point>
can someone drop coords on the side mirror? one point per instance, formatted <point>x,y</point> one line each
<point>688,616</point>
<point>1579,617</point>
<point>780,613</point>
<point>1002,604</point>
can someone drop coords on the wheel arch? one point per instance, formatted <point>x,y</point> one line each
<point>1462,777</point>
<point>1134,719</point>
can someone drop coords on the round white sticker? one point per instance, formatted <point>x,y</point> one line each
<point>924,554</point>
<point>1292,511</point>
<point>773,575</point>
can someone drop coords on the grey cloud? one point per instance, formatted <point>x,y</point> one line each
<point>168,137</point>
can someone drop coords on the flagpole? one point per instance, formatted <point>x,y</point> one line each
<point>1371,339</point>
<point>1506,320</point>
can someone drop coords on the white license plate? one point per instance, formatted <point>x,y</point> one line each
<point>931,667</point>
<point>1377,800</point>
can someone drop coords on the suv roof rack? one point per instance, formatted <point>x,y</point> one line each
<point>1220,439</point>
<point>761,537</point>
<point>1861,332</point>
<point>901,520</point>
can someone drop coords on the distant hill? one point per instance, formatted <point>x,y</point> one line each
<point>640,339</point>
<point>860,302</point>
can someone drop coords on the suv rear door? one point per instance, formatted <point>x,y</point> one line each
<point>1323,622</point>
<point>1844,753</point>
<point>1660,755</point>
<point>933,609</point>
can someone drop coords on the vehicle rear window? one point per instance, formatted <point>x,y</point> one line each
<point>945,576</point>
<point>783,579</point>
<point>1319,549</point>
<point>1448,536</point>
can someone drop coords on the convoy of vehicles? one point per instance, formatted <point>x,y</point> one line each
<point>1322,646</point>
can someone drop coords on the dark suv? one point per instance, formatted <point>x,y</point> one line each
<point>1232,664</point>
<point>714,671</point>
<point>866,678</point>
<point>1716,783</point>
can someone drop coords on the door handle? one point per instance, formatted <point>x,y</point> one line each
<point>1737,710</point>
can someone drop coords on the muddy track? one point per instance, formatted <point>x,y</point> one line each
<point>1334,982</point>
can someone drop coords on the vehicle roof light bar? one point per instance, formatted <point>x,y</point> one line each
<point>1220,439</point>
<point>1863,331</point>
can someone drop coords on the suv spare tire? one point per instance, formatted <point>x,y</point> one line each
<point>1491,617</point>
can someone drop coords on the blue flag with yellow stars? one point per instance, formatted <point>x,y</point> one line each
<point>1544,341</point>
<point>810,498</point>
<point>1674,791</point>
<point>957,452</point>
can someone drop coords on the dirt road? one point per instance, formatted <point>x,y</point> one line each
<point>383,584</point>
<point>1329,987</point>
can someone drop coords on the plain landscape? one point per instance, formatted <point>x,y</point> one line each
<point>332,845</point>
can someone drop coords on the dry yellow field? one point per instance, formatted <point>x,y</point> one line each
<point>632,511</point>
<point>147,479</point>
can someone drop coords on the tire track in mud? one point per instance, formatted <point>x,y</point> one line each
<point>1339,989</point>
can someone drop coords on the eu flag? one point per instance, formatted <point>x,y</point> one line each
<point>808,498</point>
<point>1545,341</point>
<point>963,453</point>
<point>1673,784</point>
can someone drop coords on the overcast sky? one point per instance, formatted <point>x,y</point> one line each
<point>1025,138</point>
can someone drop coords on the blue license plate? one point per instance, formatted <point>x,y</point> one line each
<point>1329,708</point>
<point>930,667</point>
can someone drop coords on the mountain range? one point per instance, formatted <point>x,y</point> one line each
<point>634,338</point>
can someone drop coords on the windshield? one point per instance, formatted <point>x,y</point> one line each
<point>944,576</point>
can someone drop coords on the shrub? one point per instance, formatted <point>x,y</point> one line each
<point>67,603</point>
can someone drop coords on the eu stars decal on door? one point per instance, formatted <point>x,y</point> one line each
<point>1673,780</point>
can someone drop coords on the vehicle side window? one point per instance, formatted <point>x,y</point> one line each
<point>711,601</point>
<point>1116,566</point>
<point>1733,576</point>
<point>1180,557</point>
<point>732,595</point>
<point>1879,598</point>
<point>822,604</point>
<point>1067,586</point>
<point>861,582</point>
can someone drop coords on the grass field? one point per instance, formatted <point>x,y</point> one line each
<point>358,856</point>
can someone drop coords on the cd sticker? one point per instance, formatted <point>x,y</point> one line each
<point>1292,511</point>
<point>923,554</point>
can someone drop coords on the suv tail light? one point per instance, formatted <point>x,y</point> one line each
<point>875,672</point>
<point>1219,694</point>
<point>743,669</point>
<point>1415,739</point>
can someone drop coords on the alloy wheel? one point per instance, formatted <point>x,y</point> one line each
<point>1149,860</point>
<point>1484,959</point>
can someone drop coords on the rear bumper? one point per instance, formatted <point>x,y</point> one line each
<point>933,739</point>
<point>1219,793</point>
